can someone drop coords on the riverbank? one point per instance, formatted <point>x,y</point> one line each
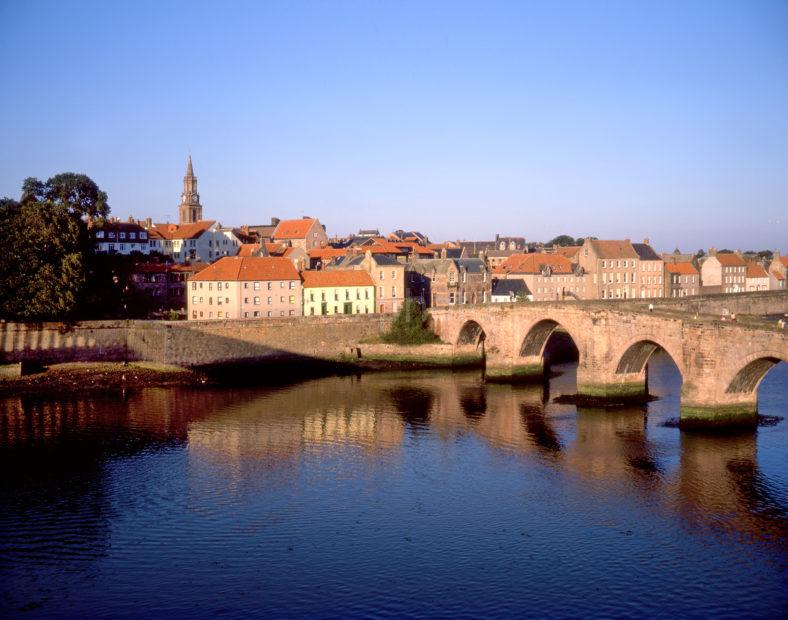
<point>97,376</point>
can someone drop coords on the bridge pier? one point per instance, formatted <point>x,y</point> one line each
<point>503,369</point>
<point>594,383</point>
<point>713,409</point>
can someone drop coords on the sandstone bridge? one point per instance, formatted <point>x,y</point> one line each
<point>721,361</point>
<point>722,346</point>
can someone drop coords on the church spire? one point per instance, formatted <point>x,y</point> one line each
<point>190,210</point>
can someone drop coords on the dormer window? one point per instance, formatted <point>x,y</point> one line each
<point>112,235</point>
<point>100,234</point>
<point>143,235</point>
<point>132,235</point>
<point>122,235</point>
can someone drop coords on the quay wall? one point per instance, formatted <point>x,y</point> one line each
<point>188,343</point>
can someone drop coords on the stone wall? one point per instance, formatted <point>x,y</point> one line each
<point>188,344</point>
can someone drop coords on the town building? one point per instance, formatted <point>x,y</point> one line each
<point>245,287</point>
<point>338,292</point>
<point>778,270</point>
<point>723,273</point>
<point>508,291</point>
<point>682,279</point>
<point>306,233</point>
<point>755,278</point>
<point>203,241</point>
<point>388,275</point>
<point>495,252</point>
<point>115,237</point>
<point>548,277</point>
<point>442,282</point>
<point>613,266</point>
<point>652,271</point>
<point>164,284</point>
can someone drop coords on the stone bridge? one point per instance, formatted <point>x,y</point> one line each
<point>721,361</point>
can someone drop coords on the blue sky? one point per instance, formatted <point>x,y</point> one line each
<point>461,119</point>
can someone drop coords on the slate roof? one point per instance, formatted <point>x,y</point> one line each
<point>510,288</point>
<point>645,252</point>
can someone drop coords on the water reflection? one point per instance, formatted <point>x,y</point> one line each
<point>79,466</point>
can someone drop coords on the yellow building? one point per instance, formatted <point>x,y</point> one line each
<point>338,292</point>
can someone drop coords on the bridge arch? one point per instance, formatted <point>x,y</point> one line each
<point>471,333</point>
<point>638,352</point>
<point>754,368</point>
<point>538,335</point>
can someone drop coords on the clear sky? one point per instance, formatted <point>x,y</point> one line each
<point>460,119</point>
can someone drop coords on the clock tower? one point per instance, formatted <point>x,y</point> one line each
<point>190,210</point>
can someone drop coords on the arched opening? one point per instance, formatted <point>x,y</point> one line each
<point>471,334</point>
<point>547,339</point>
<point>751,374</point>
<point>662,378</point>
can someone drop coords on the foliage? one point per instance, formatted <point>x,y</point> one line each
<point>47,248</point>
<point>562,240</point>
<point>411,326</point>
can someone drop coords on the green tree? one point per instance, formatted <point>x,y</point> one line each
<point>411,326</point>
<point>43,271</point>
<point>562,240</point>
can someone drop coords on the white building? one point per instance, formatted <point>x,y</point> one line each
<point>115,237</point>
<point>203,241</point>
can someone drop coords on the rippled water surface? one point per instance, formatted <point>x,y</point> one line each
<point>418,494</point>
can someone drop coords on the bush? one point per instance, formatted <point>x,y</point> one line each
<point>411,326</point>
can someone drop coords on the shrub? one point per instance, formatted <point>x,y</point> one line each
<point>411,326</point>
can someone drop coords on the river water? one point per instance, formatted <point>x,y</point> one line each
<point>391,494</point>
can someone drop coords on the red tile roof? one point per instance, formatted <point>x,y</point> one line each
<point>236,268</point>
<point>754,270</point>
<point>570,251</point>
<point>293,229</point>
<point>784,261</point>
<point>323,253</point>
<point>683,268</point>
<point>778,275</point>
<point>613,249</point>
<point>249,249</point>
<point>275,249</point>
<point>532,263</point>
<point>318,279</point>
<point>176,231</point>
<point>730,260</point>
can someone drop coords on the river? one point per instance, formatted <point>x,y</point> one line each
<point>389,494</point>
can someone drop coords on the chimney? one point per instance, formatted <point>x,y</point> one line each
<point>443,252</point>
<point>132,220</point>
<point>275,221</point>
<point>628,240</point>
<point>149,222</point>
<point>712,251</point>
<point>646,241</point>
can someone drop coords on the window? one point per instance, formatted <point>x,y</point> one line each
<point>381,292</point>
<point>143,235</point>
<point>194,299</point>
<point>393,275</point>
<point>292,300</point>
<point>269,286</point>
<point>311,296</point>
<point>246,315</point>
<point>100,234</point>
<point>381,275</point>
<point>246,300</point>
<point>281,285</point>
<point>270,300</point>
<point>194,286</point>
<point>257,286</point>
<point>451,277</point>
<point>292,285</point>
<point>281,299</point>
<point>122,235</point>
<point>246,285</point>
<point>218,286</point>
<point>256,301</point>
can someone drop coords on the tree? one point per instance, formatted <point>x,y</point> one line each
<point>43,272</point>
<point>562,240</point>
<point>411,326</point>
